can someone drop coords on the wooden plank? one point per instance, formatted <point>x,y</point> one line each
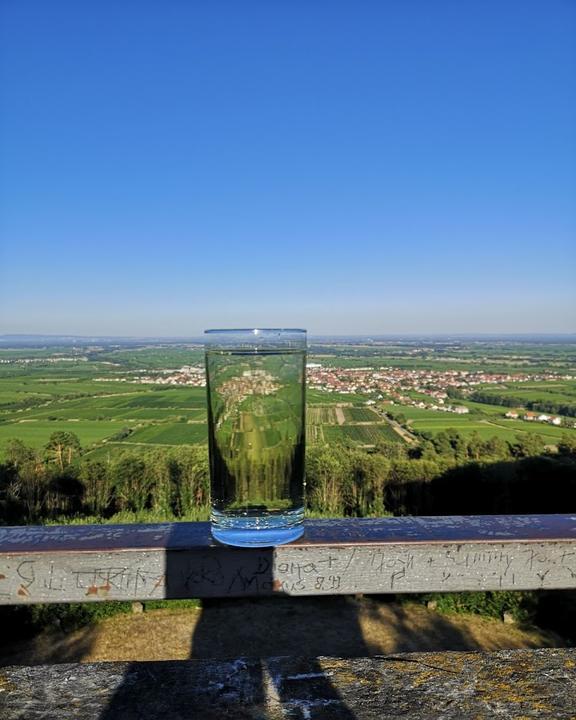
<point>180,560</point>
<point>413,686</point>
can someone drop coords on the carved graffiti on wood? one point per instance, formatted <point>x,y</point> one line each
<point>291,569</point>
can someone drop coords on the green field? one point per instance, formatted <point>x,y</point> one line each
<point>37,433</point>
<point>360,414</point>
<point>63,412</point>
<point>550,433</point>
<point>155,358</point>
<point>476,409</point>
<point>483,408</point>
<point>505,429</point>
<point>320,397</point>
<point>37,401</point>
<point>559,392</point>
<point>320,415</point>
<point>314,434</point>
<point>415,413</point>
<point>170,434</point>
<point>183,397</point>
<point>41,397</point>
<point>462,424</point>
<point>360,434</point>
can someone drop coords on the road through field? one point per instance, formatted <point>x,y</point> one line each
<point>404,434</point>
<point>530,429</point>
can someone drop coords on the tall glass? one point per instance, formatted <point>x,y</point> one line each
<point>256,430</point>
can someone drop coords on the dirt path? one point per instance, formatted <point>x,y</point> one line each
<point>520,431</point>
<point>340,626</point>
<point>340,419</point>
<point>410,439</point>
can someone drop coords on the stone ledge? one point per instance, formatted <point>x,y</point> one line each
<point>424,686</point>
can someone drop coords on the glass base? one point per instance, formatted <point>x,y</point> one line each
<point>260,531</point>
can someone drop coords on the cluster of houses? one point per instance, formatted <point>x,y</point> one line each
<point>456,409</point>
<point>394,382</point>
<point>533,417</point>
<point>378,382</point>
<point>191,375</point>
<point>251,382</point>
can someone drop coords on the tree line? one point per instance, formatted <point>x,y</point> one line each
<point>546,406</point>
<point>447,473</point>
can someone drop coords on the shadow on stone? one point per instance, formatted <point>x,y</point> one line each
<point>245,686</point>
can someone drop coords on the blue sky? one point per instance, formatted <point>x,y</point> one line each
<point>351,167</point>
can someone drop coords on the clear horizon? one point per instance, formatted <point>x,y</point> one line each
<point>363,336</point>
<point>386,169</point>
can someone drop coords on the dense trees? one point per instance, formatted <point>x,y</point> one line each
<point>35,486</point>
<point>540,405</point>
<point>445,474</point>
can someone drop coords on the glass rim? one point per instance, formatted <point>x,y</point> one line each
<point>254,331</point>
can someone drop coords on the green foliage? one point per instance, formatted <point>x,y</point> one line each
<point>192,604</point>
<point>527,445</point>
<point>545,398</point>
<point>567,445</point>
<point>521,605</point>
<point>446,474</point>
<point>97,482</point>
<point>122,435</point>
<point>24,621</point>
<point>62,447</point>
<point>71,616</point>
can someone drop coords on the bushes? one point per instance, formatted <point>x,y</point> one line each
<point>521,605</point>
<point>433,479</point>
<point>24,621</point>
<point>172,483</point>
<point>71,616</point>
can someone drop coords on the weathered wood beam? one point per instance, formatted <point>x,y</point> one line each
<point>180,560</point>
<point>413,686</point>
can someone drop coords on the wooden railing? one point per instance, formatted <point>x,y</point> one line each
<point>388,555</point>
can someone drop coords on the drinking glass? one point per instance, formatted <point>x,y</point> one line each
<point>255,381</point>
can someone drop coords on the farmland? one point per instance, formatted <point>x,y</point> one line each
<point>170,434</point>
<point>555,397</point>
<point>33,406</point>
<point>506,429</point>
<point>36,433</point>
<point>487,420</point>
<point>360,414</point>
<point>117,398</point>
<point>367,435</point>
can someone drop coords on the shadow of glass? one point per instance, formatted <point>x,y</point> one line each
<point>238,633</point>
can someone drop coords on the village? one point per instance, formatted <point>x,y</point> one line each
<point>421,388</point>
<point>394,383</point>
